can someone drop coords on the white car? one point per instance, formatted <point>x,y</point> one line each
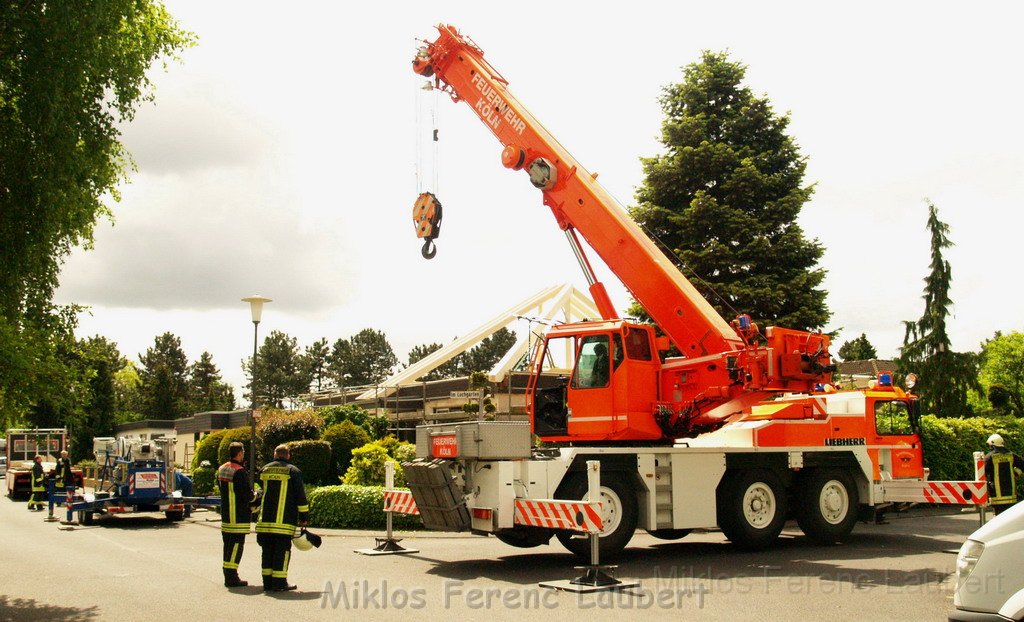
<point>989,572</point>
<point>3,466</point>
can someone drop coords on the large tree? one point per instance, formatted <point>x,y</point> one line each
<point>859,349</point>
<point>488,352</point>
<point>70,73</point>
<point>1002,371</point>
<point>724,197</point>
<point>315,361</point>
<point>944,377</point>
<point>164,379</point>
<point>279,374</point>
<point>206,390</point>
<point>365,358</point>
<point>96,412</point>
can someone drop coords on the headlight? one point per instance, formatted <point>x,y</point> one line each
<point>966,560</point>
<point>910,381</point>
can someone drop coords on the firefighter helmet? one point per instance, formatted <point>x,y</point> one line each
<point>996,441</point>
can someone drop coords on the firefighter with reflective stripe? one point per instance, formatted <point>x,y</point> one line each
<point>282,508</point>
<point>1002,467</point>
<point>63,478</point>
<point>235,511</point>
<point>35,500</point>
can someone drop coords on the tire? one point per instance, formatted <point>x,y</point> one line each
<point>524,537</point>
<point>619,512</point>
<point>85,518</point>
<point>670,534</point>
<point>751,508</point>
<point>827,504</point>
<point>175,516</point>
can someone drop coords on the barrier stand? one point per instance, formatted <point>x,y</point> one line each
<point>388,545</point>
<point>50,518</point>
<point>596,577</point>
<point>979,476</point>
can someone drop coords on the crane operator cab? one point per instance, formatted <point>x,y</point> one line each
<point>595,381</point>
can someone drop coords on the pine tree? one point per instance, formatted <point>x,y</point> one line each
<point>279,374</point>
<point>366,358</point>
<point>206,389</point>
<point>164,379</point>
<point>944,376</point>
<point>859,349</point>
<point>725,196</point>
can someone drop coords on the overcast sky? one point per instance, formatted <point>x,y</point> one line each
<point>280,158</point>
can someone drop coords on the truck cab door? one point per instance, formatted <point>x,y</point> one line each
<point>899,447</point>
<point>590,396</point>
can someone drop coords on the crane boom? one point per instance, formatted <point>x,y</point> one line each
<point>578,202</point>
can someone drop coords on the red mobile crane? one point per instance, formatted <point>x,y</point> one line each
<point>768,437</point>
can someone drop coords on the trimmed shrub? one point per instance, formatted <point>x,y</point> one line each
<point>313,458</point>
<point>343,438</point>
<point>367,467</point>
<point>333,415</point>
<point>239,435</point>
<point>949,443</point>
<point>353,507</point>
<point>207,448</point>
<point>405,452</point>
<point>203,480</point>
<point>279,427</point>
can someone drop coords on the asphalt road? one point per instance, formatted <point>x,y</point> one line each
<point>143,568</point>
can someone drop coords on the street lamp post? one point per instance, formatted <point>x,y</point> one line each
<point>256,306</point>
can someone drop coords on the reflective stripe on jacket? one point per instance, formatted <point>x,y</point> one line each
<point>38,478</point>
<point>284,501</point>
<point>999,467</point>
<point>235,498</point>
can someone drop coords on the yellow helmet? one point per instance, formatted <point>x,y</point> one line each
<point>305,540</point>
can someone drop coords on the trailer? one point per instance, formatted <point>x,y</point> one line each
<point>135,476</point>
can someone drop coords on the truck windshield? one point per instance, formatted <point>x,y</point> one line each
<point>592,368</point>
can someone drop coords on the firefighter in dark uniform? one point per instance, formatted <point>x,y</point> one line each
<point>235,511</point>
<point>1002,467</point>
<point>282,509</point>
<point>35,500</point>
<point>63,478</point>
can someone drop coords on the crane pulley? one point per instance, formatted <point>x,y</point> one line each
<point>426,215</point>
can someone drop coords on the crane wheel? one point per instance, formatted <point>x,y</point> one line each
<point>751,507</point>
<point>669,534</point>
<point>619,513</point>
<point>524,537</point>
<point>827,502</point>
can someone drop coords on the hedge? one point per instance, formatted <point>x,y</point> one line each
<point>240,435</point>
<point>203,480</point>
<point>207,449</point>
<point>949,443</point>
<point>343,437</point>
<point>313,458</point>
<point>354,507</point>
<point>333,415</point>
<point>279,427</point>
<point>368,467</point>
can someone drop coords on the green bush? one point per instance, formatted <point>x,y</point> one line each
<point>949,443</point>
<point>279,427</point>
<point>313,458</point>
<point>404,452</point>
<point>343,438</point>
<point>333,415</point>
<point>239,435</point>
<point>377,426</point>
<point>368,468</point>
<point>203,480</point>
<point>353,507</point>
<point>207,448</point>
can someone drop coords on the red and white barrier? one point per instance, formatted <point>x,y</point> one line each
<point>574,516</point>
<point>400,502</point>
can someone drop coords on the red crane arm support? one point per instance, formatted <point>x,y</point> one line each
<point>576,199</point>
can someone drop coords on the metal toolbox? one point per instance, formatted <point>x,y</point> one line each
<point>483,440</point>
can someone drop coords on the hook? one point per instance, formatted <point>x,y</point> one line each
<point>429,249</point>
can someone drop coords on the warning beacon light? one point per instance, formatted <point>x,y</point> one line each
<point>885,379</point>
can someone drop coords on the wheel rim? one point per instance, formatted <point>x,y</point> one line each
<point>759,505</point>
<point>834,502</point>
<point>611,510</point>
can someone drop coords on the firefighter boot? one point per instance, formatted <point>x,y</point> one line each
<point>231,579</point>
<point>282,585</point>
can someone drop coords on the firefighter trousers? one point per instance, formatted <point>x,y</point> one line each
<point>234,545</point>
<point>276,555</point>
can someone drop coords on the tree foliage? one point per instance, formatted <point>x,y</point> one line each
<point>725,195</point>
<point>365,358</point>
<point>164,379</point>
<point>206,390</point>
<point>945,377</point>
<point>859,349</point>
<point>69,73</point>
<point>481,357</point>
<point>314,360</point>
<point>280,373</point>
<point>1002,372</point>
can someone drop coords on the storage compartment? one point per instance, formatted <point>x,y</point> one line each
<point>484,440</point>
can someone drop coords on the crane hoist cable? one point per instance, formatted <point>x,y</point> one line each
<point>426,210</point>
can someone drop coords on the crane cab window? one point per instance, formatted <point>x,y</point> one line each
<point>593,368</point>
<point>892,418</point>
<point>638,346</point>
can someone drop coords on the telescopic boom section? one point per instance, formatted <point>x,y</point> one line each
<point>578,202</point>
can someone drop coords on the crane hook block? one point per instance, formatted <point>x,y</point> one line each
<point>426,216</point>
